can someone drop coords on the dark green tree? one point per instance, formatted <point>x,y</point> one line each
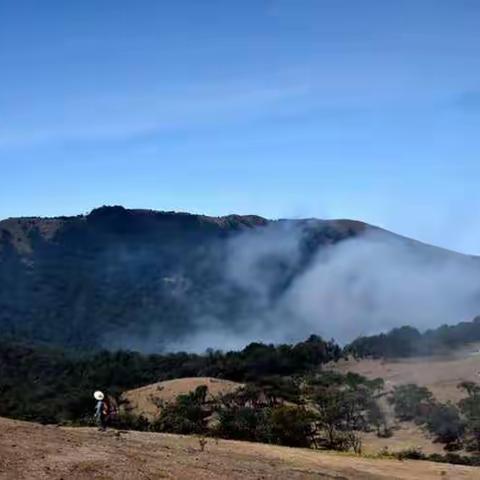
<point>292,426</point>
<point>187,415</point>
<point>445,423</point>
<point>412,402</point>
<point>470,407</point>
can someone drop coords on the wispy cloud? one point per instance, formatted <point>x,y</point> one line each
<point>109,117</point>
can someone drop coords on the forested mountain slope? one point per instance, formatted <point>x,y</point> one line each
<point>149,281</point>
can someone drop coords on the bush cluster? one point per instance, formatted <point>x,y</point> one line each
<point>456,426</point>
<point>330,412</point>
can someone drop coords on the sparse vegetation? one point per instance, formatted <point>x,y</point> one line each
<point>333,410</point>
<point>31,451</point>
<point>452,425</point>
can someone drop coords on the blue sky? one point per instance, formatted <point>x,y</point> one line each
<point>284,108</point>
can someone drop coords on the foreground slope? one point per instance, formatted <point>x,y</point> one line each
<point>30,452</point>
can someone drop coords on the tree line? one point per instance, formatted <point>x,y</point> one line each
<point>408,341</point>
<point>53,386</point>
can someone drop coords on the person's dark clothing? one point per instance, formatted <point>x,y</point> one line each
<point>101,415</point>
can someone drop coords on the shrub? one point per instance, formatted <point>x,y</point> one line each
<point>129,421</point>
<point>413,453</point>
<point>243,423</point>
<point>187,415</point>
<point>445,424</point>
<point>455,459</point>
<point>291,426</point>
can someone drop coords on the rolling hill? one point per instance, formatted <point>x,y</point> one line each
<point>146,401</point>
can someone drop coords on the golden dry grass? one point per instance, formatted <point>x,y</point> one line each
<point>34,452</point>
<point>145,400</point>
<point>441,375</point>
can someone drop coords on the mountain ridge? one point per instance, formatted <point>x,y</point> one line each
<point>49,224</point>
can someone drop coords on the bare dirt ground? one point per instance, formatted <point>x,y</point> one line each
<point>31,452</point>
<point>144,400</point>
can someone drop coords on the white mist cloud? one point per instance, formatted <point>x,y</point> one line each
<point>364,285</point>
<point>252,254</point>
<point>377,282</point>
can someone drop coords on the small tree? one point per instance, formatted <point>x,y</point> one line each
<point>412,402</point>
<point>277,389</point>
<point>186,415</point>
<point>292,426</point>
<point>445,423</point>
<point>339,412</point>
<point>243,415</point>
<point>376,417</point>
<point>470,407</point>
<point>243,423</point>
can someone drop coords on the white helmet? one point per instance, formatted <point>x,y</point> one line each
<point>99,395</point>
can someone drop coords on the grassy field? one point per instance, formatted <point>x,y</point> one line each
<point>440,375</point>
<point>145,400</point>
<point>31,452</point>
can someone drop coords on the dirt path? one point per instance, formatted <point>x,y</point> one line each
<point>30,452</point>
